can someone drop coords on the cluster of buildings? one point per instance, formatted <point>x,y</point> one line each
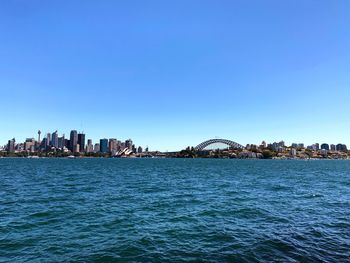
<point>76,143</point>
<point>298,150</point>
<point>281,146</point>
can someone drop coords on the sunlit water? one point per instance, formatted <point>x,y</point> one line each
<point>105,210</point>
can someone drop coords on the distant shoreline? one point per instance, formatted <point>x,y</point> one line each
<point>169,157</point>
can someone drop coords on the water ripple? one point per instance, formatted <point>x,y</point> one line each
<point>112,210</point>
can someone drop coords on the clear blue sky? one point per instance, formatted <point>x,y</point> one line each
<point>174,73</point>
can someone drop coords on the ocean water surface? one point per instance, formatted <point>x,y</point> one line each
<point>142,210</point>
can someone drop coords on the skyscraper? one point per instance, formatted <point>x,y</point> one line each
<point>113,145</point>
<point>104,145</point>
<point>54,139</point>
<point>61,142</point>
<point>81,142</point>
<point>89,147</point>
<point>11,145</point>
<point>67,143</point>
<point>28,144</point>
<point>48,139</point>
<point>97,147</point>
<point>73,140</point>
<point>128,144</point>
<point>43,144</point>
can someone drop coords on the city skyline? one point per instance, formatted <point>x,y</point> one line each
<point>149,145</point>
<point>77,142</point>
<point>56,145</point>
<point>173,74</point>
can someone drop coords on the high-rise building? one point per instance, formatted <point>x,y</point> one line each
<point>81,141</point>
<point>54,139</point>
<point>113,145</point>
<point>89,146</point>
<point>97,148</point>
<point>43,145</point>
<point>29,144</point>
<point>61,142</point>
<point>11,145</point>
<point>128,144</point>
<point>73,140</point>
<point>139,150</point>
<point>317,146</point>
<point>325,146</point>
<point>48,139</point>
<point>341,147</point>
<point>104,145</point>
<point>333,147</point>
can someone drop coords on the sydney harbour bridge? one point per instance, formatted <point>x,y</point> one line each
<point>205,144</point>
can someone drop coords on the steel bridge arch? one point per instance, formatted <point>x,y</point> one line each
<point>204,144</point>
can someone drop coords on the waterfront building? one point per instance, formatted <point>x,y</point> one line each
<point>104,145</point>
<point>315,147</point>
<point>301,146</point>
<point>325,146</point>
<point>333,147</point>
<point>97,147</point>
<point>11,145</point>
<point>54,139</point>
<point>89,146</point>
<point>113,145</point>
<point>43,145</point>
<point>61,142</point>
<point>73,140</point>
<point>128,144</point>
<point>81,141</point>
<point>19,147</point>
<point>139,150</point>
<point>293,152</point>
<point>48,140</point>
<point>29,144</point>
<point>341,147</point>
<point>277,145</point>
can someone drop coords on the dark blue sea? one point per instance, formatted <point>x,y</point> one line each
<point>174,210</point>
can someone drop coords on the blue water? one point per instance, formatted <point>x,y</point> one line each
<point>117,210</point>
